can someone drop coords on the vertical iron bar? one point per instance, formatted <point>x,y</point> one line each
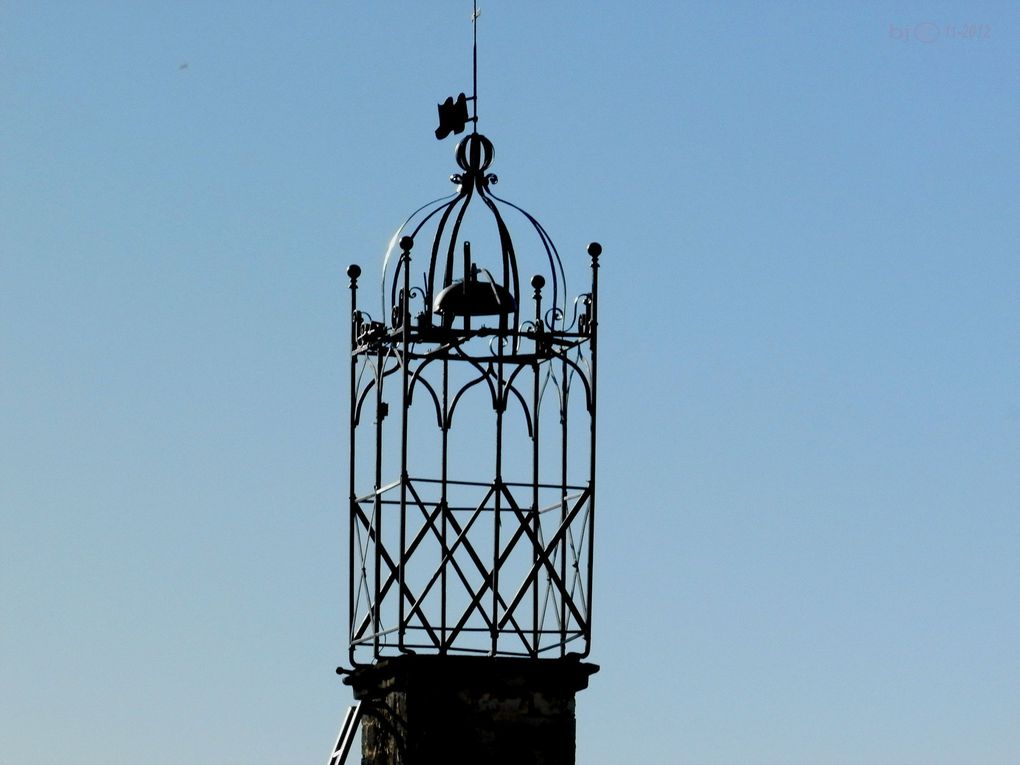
<point>564,482</point>
<point>444,500</point>
<point>594,250</point>
<point>466,284</point>
<point>405,342</point>
<point>537,283</point>
<point>377,498</point>
<point>353,271</point>
<point>474,60</point>
<point>497,506</point>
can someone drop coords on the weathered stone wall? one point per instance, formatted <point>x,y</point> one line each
<point>426,710</point>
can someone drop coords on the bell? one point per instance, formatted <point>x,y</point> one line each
<point>474,298</point>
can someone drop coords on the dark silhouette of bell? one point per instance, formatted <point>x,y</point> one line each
<point>474,298</point>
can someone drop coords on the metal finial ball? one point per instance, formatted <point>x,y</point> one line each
<point>354,270</point>
<point>406,243</point>
<point>538,281</point>
<point>594,249</point>
<point>475,153</point>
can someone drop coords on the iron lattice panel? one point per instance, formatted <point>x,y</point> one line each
<point>519,591</point>
<point>443,564</point>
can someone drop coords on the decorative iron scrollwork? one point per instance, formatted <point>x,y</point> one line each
<point>494,560</point>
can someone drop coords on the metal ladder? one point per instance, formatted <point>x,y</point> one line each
<point>347,731</point>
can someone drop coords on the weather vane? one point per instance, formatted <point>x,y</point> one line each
<point>453,115</point>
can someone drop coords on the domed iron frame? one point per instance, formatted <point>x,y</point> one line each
<point>398,603</point>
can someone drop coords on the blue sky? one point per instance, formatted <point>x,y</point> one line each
<point>808,537</point>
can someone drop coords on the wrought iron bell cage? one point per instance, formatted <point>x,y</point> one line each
<point>472,437</point>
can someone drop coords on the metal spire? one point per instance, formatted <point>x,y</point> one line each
<point>453,115</point>
<point>475,13</point>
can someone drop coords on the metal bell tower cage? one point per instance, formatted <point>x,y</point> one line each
<point>472,435</point>
<point>472,481</point>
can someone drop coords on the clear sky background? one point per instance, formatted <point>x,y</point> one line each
<point>808,547</point>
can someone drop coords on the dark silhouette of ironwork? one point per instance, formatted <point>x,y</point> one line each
<point>472,481</point>
<point>450,553</point>
<point>453,116</point>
